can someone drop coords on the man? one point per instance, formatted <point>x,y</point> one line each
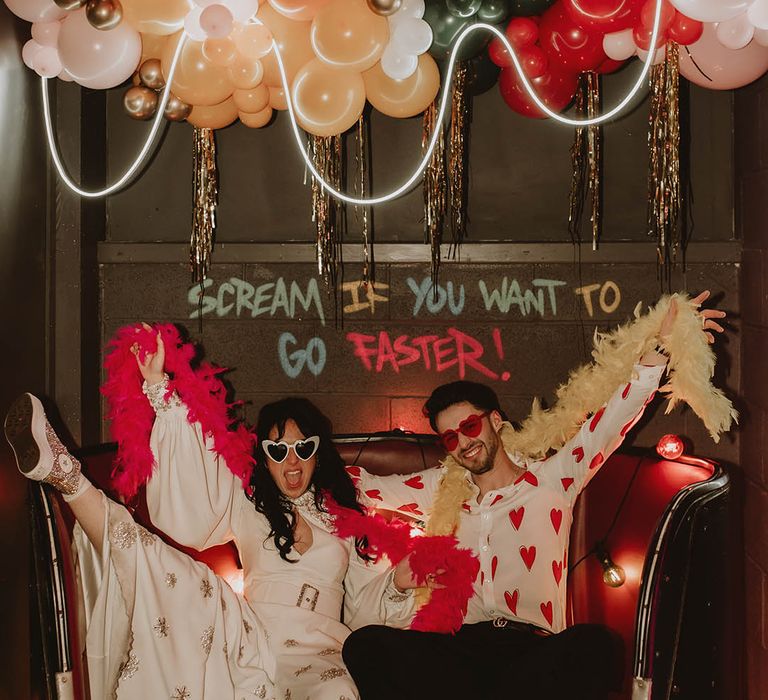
<point>514,641</point>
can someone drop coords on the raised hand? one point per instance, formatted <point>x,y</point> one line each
<point>707,316</point>
<point>154,362</point>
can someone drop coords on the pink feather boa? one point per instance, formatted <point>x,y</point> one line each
<point>132,417</point>
<point>447,606</point>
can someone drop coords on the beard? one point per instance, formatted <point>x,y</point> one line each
<point>486,464</point>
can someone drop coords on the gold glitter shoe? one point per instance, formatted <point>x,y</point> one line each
<point>39,453</point>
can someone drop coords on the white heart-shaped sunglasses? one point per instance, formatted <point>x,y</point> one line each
<point>304,449</point>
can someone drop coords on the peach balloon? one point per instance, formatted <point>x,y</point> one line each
<point>152,46</point>
<point>220,52</point>
<point>246,73</point>
<point>277,98</point>
<point>292,39</point>
<point>298,10</point>
<point>346,34</point>
<point>153,17</point>
<point>196,81</point>
<point>327,100</point>
<point>252,101</point>
<point>403,98</point>
<point>256,119</point>
<point>253,40</point>
<point>214,116</point>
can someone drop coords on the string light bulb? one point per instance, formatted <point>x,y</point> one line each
<point>613,574</point>
<point>670,446</point>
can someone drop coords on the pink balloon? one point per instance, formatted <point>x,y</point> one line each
<point>735,33</point>
<point>98,59</point>
<point>46,62</point>
<point>711,65</point>
<point>216,21</point>
<point>46,33</point>
<point>619,46</point>
<point>36,10</point>
<point>28,53</point>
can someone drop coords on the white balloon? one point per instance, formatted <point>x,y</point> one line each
<point>47,63</point>
<point>735,33</point>
<point>242,10</point>
<point>758,14</point>
<point>397,64</point>
<point>192,25</point>
<point>46,33</point>
<point>408,8</point>
<point>66,76</point>
<point>711,10</point>
<point>28,53</point>
<point>761,37</point>
<point>642,54</point>
<point>36,10</point>
<point>619,46</point>
<point>412,35</point>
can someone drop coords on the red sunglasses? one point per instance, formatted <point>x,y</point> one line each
<point>470,426</point>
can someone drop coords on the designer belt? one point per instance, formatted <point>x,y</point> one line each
<point>303,595</point>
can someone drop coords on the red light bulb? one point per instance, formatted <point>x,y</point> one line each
<point>670,446</point>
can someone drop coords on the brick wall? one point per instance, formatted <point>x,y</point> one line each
<point>751,145</point>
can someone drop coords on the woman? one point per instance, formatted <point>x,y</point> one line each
<point>162,625</point>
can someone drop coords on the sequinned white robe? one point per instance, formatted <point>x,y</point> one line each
<point>161,625</point>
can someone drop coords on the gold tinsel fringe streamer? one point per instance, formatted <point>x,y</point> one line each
<point>362,158</point>
<point>206,189</point>
<point>690,371</point>
<point>327,211</point>
<point>458,159</point>
<point>664,192</point>
<point>586,162</point>
<point>435,188</point>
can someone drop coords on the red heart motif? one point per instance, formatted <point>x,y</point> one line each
<point>415,483</point>
<point>353,471</point>
<point>557,571</point>
<point>650,398</point>
<point>529,477</point>
<point>512,599</point>
<point>626,428</point>
<point>411,508</point>
<point>597,460</point>
<point>494,564</point>
<point>625,393</point>
<point>566,482</point>
<point>466,507</point>
<point>579,454</point>
<point>596,419</point>
<point>556,516</point>
<point>374,495</point>
<point>496,499</point>
<point>546,610</point>
<point>528,555</point>
<point>516,517</point>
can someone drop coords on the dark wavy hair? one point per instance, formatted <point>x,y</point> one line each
<point>481,396</point>
<point>329,475</point>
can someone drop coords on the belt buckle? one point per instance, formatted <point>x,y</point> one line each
<point>308,597</point>
<point>500,622</point>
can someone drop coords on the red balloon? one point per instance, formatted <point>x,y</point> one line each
<point>642,36</point>
<point>534,61</point>
<point>569,47</point>
<point>685,30</point>
<point>555,89</point>
<point>522,31</point>
<point>609,66</point>
<point>498,53</point>
<point>648,13</point>
<point>604,15</point>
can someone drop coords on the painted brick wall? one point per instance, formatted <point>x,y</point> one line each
<point>751,145</point>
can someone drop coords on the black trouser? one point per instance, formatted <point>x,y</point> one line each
<point>482,661</point>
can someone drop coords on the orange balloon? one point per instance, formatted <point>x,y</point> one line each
<point>214,116</point>
<point>256,119</point>
<point>153,17</point>
<point>252,101</point>
<point>346,34</point>
<point>152,46</point>
<point>327,100</point>
<point>292,39</point>
<point>220,52</point>
<point>196,80</point>
<point>298,10</point>
<point>252,40</point>
<point>403,98</point>
<point>277,98</point>
<point>246,73</point>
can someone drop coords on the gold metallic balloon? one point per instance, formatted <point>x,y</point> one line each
<point>140,102</point>
<point>151,74</point>
<point>176,110</point>
<point>104,14</point>
<point>70,4</point>
<point>384,7</point>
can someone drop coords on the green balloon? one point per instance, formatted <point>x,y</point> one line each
<point>529,8</point>
<point>446,27</point>
<point>494,11</point>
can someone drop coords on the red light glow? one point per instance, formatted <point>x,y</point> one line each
<point>670,446</point>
